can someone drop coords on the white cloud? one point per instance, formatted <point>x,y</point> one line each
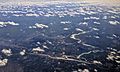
<point>7,52</point>
<point>66,29</point>
<point>96,36</point>
<point>114,12</point>
<point>78,29</point>
<point>114,22</point>
<point>3,62</point>
<point>94,18</point>
<point>65,22</point>
<point>22,52</point>
<point>32,15</point>
<point>17,15</point>
<point>105,17</point>
<point>37,25</point>
<point>97,23</point>
<point>3,24</point>
<point>96,29</point>
<point>85,70</point>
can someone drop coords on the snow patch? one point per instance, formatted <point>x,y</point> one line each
<point>97,62</point>
<point>38,49</point>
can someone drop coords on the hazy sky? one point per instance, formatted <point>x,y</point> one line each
<point>106,2</point>
<point>56,0</point>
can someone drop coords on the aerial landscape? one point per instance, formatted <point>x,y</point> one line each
<point>59,35</point>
